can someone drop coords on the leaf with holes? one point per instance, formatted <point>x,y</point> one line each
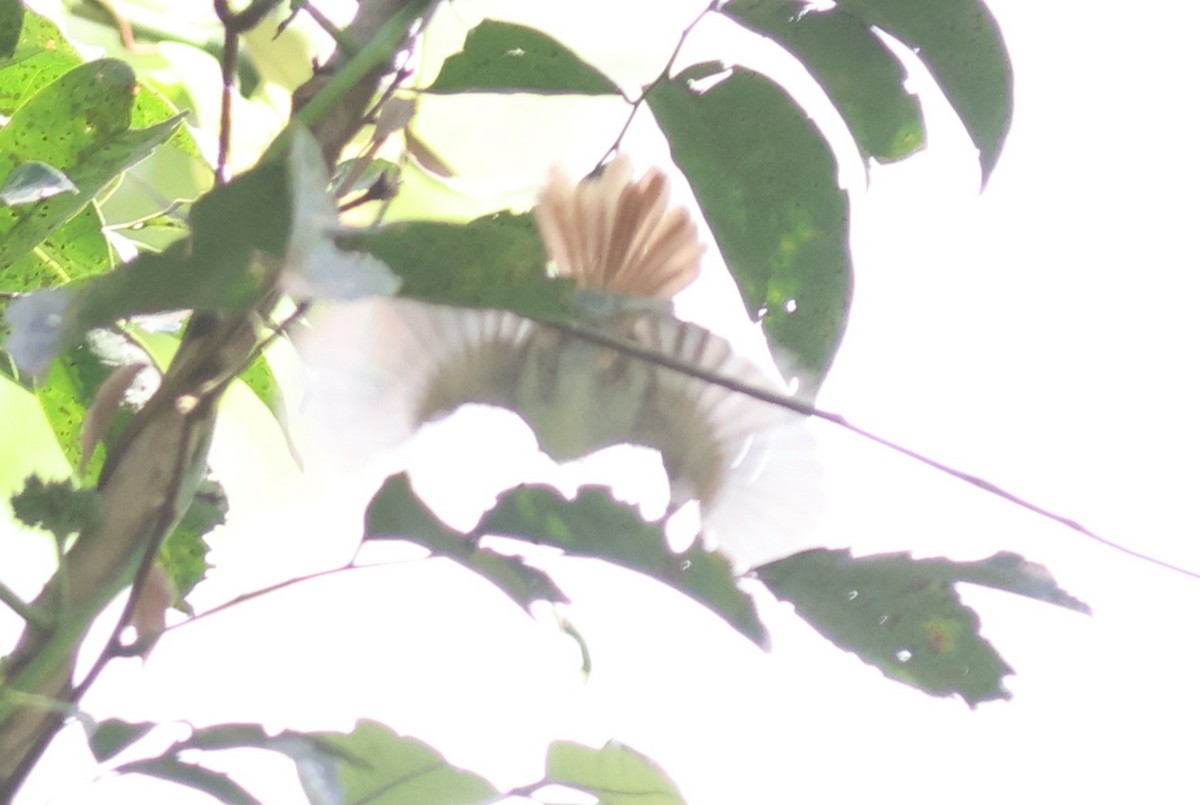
<point>903,615</point>
<point>960,42</point>
<point>397,513</point>
<point>505,57</point>
<point>595,525</point>
<point>767,184</point>
<point>184,553</point>
<point>862,77</point>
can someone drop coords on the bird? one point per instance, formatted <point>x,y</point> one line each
<point>390,365</point>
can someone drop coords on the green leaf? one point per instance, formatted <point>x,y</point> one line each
<point>41,56</point>
<point>390,770</point>
<point>614,774</point>
<point>183,554</point>
<point>261,380</point>
<point>64,393</point>
<point>58,507</point>
<point>960,43</point>
<point>73,114</point>
<point>210,782</point>
<point>903,615</point>
<point>12,13</point>
<point>75,250</point>
<point>595,525</point>
<point>503,56</point>
<point>64,127</point>
<point>862,77</point>
<point>219,267</point>
<point>317,764</point>
<point>397,512</point>
<point>1013,574</point>
<point>767,184</point>
<point>112,736</point>
<point>227,736</point>
<point>151,107</point>
<point>496,261</point>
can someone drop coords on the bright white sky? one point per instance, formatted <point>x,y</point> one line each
<point>1038,335</point>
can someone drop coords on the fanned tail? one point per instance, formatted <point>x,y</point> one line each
<point>615,235</point>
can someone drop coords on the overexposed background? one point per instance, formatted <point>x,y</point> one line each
<point>1041,335</point>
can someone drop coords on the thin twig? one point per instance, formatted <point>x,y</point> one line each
<point>667,362</point>
<point>663,75</point>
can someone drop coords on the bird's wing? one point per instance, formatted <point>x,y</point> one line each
<point>381,367</point>
<point>751,465</point>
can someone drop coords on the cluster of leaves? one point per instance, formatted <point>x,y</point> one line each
<point>373,764</point>
<point>766,180</point>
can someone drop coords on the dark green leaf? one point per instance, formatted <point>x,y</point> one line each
<point>902,615</point>
<point>210,782</point>
<point>614,774</point>
<point>12,12</point>
<point>595,525</point>
<point>500,56</point>
<point>390,770</point>
<point>1011,573</point>
<point>960,43</point>
<point>863,78</point>
<point>397,512</point>
<point>113,735</point>
<point>57,507</point>
<point>495,261</point>
<point>184,552</point>
<point>767,183</point>
<point>228,736</point>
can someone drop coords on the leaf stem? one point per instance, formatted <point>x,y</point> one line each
<point>28,613</point>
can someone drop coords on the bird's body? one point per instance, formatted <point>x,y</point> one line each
<point>617,239</point>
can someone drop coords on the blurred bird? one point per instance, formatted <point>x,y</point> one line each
<point>386,366</point>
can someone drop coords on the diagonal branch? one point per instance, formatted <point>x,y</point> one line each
<point>790,403</point>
